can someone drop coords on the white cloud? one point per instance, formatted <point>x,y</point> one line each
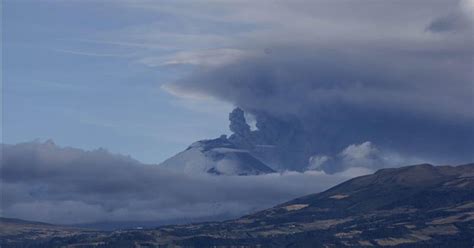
<point>359,159</point>
<point>183,93</point>
<point>316,161</point>
<point>364,154</point>
<point>210,57</point>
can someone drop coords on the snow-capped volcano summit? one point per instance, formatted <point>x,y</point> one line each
<point>216,156</point>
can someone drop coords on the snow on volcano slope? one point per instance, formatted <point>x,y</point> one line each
<point>216,156</point>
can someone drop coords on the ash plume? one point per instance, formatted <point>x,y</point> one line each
<point>324,90</point>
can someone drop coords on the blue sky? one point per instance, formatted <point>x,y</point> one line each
<point>72,73</point>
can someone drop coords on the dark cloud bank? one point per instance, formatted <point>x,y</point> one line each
<point>41,181</point>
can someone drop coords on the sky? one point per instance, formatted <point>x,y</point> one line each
<point>148,78</point>
<point>73,72</point>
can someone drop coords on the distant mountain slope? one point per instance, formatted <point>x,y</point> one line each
<point>413,206</point>
<point>415,186</point>
<point>216,156</point>
<point>13,221</point>
<point>22,233</point>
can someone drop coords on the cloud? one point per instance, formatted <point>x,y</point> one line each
<point>209,57</point>
<point>446,24</point>
<point>316,162</point>
<point>41,181</point>
<point>91,54</point>
<point>183,93</point>
<point>467,7</point>
<point>363,156</point>
<point>196,101</point>
<point>460,19</point>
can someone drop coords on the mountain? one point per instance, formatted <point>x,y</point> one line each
<point>216,156</point>
<point>414,206</point>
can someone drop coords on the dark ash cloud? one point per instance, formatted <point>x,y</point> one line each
<point>404,89</point>
<point>320,102</point>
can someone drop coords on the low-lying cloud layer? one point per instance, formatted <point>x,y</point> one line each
<point>41,181</point>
